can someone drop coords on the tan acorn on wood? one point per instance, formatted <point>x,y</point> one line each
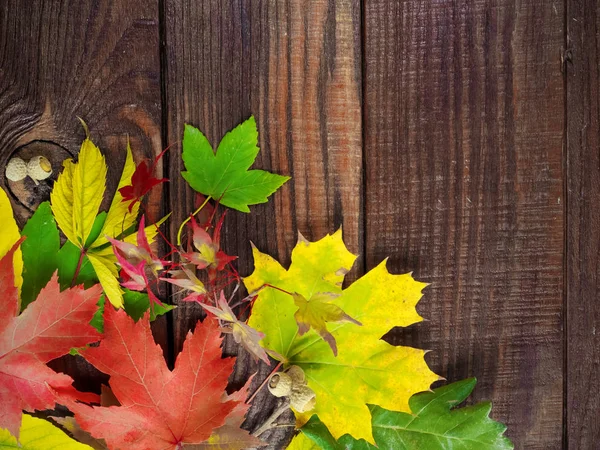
<point>280,384</point>
<point>16,169</point>
<point>38,168</point>
<point>292,384</point>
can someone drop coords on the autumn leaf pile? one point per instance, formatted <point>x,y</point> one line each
<point>85,281</point>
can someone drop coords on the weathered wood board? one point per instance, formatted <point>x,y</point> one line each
<point>459,138</point>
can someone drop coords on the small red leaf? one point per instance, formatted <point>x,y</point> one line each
<point>142,181</point>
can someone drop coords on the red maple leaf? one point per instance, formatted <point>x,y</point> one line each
<point>48,328</point>
<point>159,409</point>
<point>142,181</point>
<point>231,436</point>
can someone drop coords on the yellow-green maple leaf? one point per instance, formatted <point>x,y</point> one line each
<point>39,434</point>
<point>367,369</point>
<point>302,442</point>
<point>9,235</point>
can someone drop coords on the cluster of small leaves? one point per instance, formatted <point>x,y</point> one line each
<point>343,395</point>
<point>62,291</point>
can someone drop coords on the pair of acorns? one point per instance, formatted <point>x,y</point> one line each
<point>38,168</point>
<point>292,384</point>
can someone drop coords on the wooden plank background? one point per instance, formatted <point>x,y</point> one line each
<point>460,138</point>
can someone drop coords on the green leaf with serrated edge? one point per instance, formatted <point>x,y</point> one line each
<point>98,318</point>
<point>67,260</point>
<point>135,305</point>
<point>96,229</point>
<point>436,423</point>
<point>40,250</point>
<point>225,175</point>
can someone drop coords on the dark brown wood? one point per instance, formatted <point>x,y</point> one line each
<point>468,177</point>
<point>464,116</point>
<point>296,66</point>
<point>60,60</point>
<point>582,66</point>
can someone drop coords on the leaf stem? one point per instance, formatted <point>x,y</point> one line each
<point>278,289</point>
<point>78,268</point>
<point>188,219</point>
<point>272,418</point>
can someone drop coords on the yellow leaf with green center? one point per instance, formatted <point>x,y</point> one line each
<point>107,274</point>
<point>89,184</point>
<point>39,434</point>
<point>78,193</point>
<point>61,199</point>
<point>366,370</point>
<point>10,234</point>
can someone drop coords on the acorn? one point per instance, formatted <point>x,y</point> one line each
<point>302,398</point>
<point>297,375</point>
<point>280,384</point>
<point>16,169</point>
<point>39,168</point>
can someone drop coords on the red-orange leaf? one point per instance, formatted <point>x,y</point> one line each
<point>159,409</point>
<point>47,329</point>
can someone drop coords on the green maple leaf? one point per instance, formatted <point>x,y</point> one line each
<point>367,370</point>
<point>225,175</point>
<point>434,424</point>
<point>40,250</point>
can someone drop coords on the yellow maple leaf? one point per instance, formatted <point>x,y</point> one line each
<point>367,370</point>
<point>39,434</point>
<point>10,234</point>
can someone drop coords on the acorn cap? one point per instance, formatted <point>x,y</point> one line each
<point>16,169</point>
<point>39,168</point>
<point>297,375</point>
<point>280,384</point>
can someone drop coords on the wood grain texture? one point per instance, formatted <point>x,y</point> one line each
<point>60,60</point>
<point>296,66</point>
<point>582,66</point>
<point>464,116</point>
